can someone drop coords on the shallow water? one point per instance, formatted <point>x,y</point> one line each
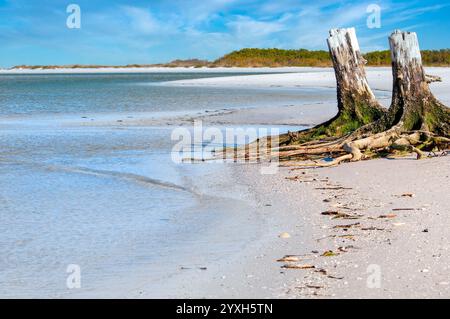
<point>109,198</point>
<point>127,93</point>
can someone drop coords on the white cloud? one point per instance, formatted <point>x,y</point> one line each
<point>143,21</point>
<point>243,26</point>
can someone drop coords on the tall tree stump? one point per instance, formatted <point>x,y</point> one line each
<point>416,120</point>
<point>414,107</point>
<point>357,104</point>
<point>413,104</point>
<point>356,101</point>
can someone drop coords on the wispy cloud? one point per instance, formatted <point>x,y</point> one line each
<point>145,31</point>
<point>142,21</point>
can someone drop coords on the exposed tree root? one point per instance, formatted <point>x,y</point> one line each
<point>394,141</point>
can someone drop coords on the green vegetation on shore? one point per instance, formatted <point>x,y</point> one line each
<point>277,58</point>
<point>429,57</point>
<point>271,58</point>
<point>274,58</point>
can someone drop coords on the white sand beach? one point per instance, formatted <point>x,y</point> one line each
<point>409,248</point>
<point>396,247</point>
<point>225,157</point>
<point>243,222</point>
<point>379,79</point>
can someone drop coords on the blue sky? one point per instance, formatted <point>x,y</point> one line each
<point>119,32</point>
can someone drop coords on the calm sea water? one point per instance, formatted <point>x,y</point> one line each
<point>108,199</point>
<point>122,93</point>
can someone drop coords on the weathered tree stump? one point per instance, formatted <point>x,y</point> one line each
<point>357,104</point>
<point>356,100</point>
<point>413,103</point>
<point>416,120</point>
<point>413,106</point>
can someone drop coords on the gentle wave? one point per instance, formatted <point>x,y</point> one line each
<point>105,173</point>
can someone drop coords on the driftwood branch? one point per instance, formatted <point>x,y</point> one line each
<point>432,78</point>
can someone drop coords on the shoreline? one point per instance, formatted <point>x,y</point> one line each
<point>401,235</point>
<point>413,262</point>
<point>158,70</point>
<point>301,113</point>
<point>384,246</point>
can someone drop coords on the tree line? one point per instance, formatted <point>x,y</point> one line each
<point>271,58</point>
<point>302,57</point>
